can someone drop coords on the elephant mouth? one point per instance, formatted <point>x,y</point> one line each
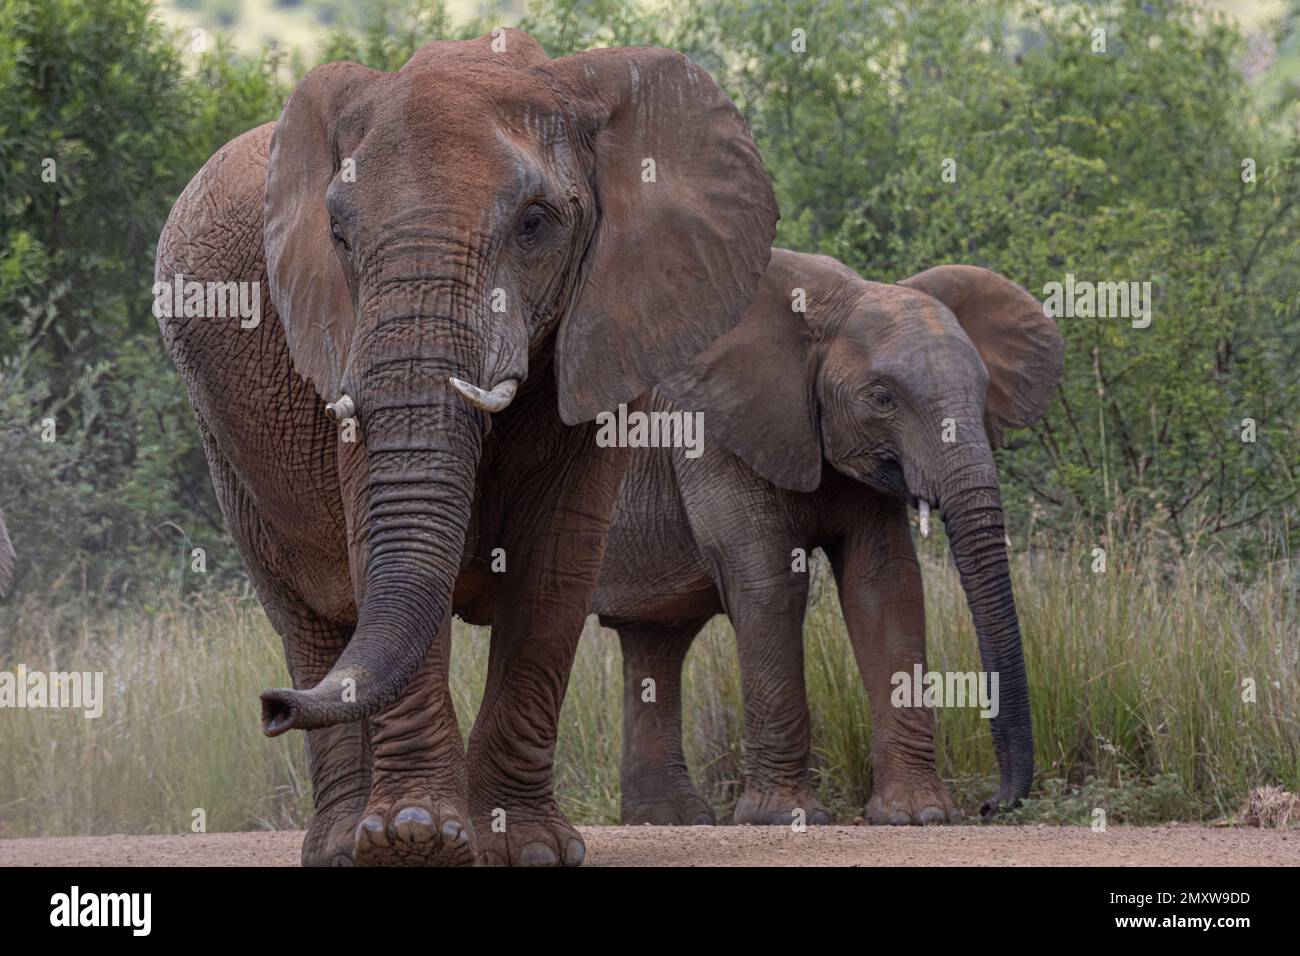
<point>886,476</point>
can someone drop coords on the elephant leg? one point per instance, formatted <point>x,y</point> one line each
<point>417,813</point>
<point>554,546</point>
<point>338,757</point>
<point>655,783</point>
<point>884,609</point>
<point>768,619</point>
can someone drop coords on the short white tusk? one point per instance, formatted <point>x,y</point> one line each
<point>497,400</point>
<point>924,509</point>
<point>341,408</point>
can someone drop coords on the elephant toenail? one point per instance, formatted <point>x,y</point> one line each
<point>416,815</point>
<point>931,815</point>
<point>453,834</point>
<point>575,853</point>
<point>703,820</point>
<point>899,819</point>
<point>819,818</point>
<point>373,829</point>
<point>537,854</point>
<point>413,825</point>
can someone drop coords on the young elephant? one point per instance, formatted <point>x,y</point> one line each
<point>821,426</point>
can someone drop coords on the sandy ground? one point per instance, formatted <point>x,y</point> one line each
<point>742,846</point>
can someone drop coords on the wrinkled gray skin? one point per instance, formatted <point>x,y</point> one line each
<point>479,215</point>
<point>6,558</point>
<point>819,430</point>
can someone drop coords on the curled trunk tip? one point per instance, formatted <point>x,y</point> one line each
<point>345,694</point>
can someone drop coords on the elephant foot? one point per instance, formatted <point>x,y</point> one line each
<point>328,841</point>
<point>674,809</point>
<point>545,841</point>
<point>911,803</point>
<point>414,832</point>
<point>781,806</point>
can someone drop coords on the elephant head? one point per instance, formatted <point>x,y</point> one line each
<point>6,558</point>
<point>906,388</point>
<point>487,221</point>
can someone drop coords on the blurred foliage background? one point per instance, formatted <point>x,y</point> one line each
<point>1122,165</point>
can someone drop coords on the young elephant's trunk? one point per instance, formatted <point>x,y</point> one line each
<point>423,443</point>
<point>971,506</point>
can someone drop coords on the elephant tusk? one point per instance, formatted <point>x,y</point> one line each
<point>341,409</point>
<point>923,508</point>
<point>497,400</point>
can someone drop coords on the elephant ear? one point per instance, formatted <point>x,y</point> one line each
<point>307,282</point>
<point>1020,344</point>
<point>686,217</point>
<point>755,386</point>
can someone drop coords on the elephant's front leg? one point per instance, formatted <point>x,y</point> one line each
<point>553,546</point>
<point>417,814</point>
<point>884,609</point>
<point>338,757</point>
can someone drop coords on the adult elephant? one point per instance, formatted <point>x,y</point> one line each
<point>460,264</point>
<point>820,428</point>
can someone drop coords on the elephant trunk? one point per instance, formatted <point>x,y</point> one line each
<point>423,444</point>
<point>971,507</point>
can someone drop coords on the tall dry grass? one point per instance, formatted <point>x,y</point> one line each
<point>1136,674</point>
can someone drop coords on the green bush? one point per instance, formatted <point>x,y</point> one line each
<point>127,113</point>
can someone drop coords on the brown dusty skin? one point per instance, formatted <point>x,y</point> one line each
<point>742,846</point>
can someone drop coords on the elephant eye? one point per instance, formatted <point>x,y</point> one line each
<point>337,233</point>
<point>533,226</point>
<point>880,399</point>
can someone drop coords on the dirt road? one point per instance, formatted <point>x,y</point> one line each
<point>742,846</point>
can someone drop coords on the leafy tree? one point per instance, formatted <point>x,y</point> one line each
<point>104,117</point>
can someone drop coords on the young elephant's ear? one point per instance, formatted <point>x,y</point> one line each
<point>686,217</point>
<point>1020,344</point>
<point>307,283</point>
<point>755,389</point>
